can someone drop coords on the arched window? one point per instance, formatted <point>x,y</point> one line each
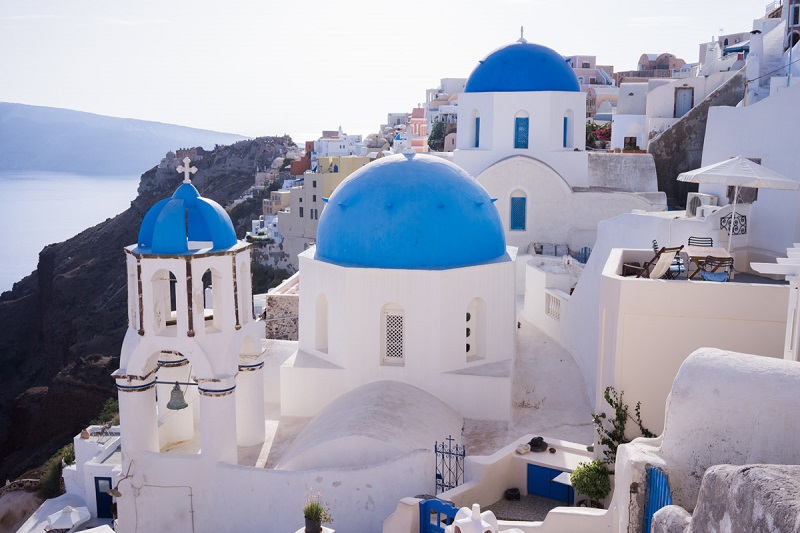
<point>521,130</point>
<point>212,299</point>
<point>475,330</point>
<point>321,333</point>
<point>518,211</point>
<point>164,300</point>
<point>581,80</point>
<point>392,335</point>
<point>568,125</point>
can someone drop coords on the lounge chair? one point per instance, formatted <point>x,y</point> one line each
<point>715,269</point>
<point>659,266</point>
<point>677,265</point>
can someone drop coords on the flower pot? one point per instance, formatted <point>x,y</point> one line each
<point>313,526</point>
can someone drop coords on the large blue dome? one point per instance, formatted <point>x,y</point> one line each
<point>522,66</point>
<point>410,212</point>
<point>171,223</point>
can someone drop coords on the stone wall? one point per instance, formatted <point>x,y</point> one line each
<point>680,147</point>
<point>739,499</point>
<point>282,312</point>
<point>629,172</point>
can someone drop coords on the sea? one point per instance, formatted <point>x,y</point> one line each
<point>41,208</point>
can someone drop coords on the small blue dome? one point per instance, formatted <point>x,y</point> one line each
<point>171,223</point>
<point>410,212</point>
<point>522,66</point>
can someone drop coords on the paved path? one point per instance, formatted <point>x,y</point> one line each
<point>548,397</point>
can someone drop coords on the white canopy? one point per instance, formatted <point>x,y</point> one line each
<point>739,172</point>
<point>68,517</point>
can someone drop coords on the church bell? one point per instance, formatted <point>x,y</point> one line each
<point>176,399</point>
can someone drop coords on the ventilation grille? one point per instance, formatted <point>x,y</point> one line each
<point>394,337</point>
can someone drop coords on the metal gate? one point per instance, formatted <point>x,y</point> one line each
<point>449,464</point>
<point>656,496</point>
<point>434,515</point>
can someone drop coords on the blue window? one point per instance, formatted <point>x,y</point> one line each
<point>566,123</point>
<point>518,213</point>
<point>521,132</point>
<point>477,131</point>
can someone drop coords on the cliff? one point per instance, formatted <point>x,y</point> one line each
<point>63,325</point>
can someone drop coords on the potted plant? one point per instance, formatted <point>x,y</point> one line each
<point>591,480</point>
<point>316,512</point>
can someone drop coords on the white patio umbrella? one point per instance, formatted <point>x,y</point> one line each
<point>68,517</point>
<point>739,172</point>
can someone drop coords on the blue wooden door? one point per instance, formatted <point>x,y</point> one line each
<point>540,483</point>
<point>103,498</point>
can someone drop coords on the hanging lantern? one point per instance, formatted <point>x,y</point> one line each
<point>176,400</point>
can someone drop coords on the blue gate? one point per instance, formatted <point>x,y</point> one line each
<point>449,464</point>
<point>434,515</point>
<point>656,496</point>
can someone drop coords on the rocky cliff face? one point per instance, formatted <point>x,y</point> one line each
<point>63,325</point>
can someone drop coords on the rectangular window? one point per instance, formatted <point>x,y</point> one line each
<point>314,183</point>
<point>518,213</point>
<point>477,131</point>
<point>585,65</point>
<point>566,124</point>
<point>521,132</point>
<point>301,212</point>
<point>314,198</point>
<point>394,337</point>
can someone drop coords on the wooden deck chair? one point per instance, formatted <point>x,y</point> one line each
<point>659,266</point>
<point>716,268</point>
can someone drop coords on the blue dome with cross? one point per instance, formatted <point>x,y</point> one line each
<point>185,223</point>
<point>522,66</point>
<point>410,211</point>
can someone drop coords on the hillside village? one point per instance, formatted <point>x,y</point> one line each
<point>460,304</point>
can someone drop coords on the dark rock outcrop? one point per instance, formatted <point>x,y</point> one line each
<point>63,325</point>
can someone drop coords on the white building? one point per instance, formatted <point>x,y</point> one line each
<point>521,125</point>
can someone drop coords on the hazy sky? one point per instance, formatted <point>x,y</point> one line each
<point>268,67</point>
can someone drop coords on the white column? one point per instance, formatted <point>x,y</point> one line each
<point>174,426</point>
<point>218,421</point>
<point>250,405</point>
<point>137,414</point>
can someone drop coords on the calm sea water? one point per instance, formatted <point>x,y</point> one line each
<point>40,208</point>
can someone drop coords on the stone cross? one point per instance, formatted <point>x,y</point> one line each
<point>187,170</point>
<point>522,35</point>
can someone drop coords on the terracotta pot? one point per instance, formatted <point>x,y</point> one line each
<point>313,526</point>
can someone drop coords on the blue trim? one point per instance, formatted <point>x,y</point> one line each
<point>518,214</point>
<point>566,123</point>
<point>444,515</point>
<point>136,387</point>
<point>477,132</point>
<point>229,389</point>
<point>521,132</point>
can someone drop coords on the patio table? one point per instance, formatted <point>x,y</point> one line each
<point>697,254</point>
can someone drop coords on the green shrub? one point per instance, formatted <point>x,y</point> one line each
<point>50,480</point>
<point>109,413</point>
<point>591,480</point>
<point>612,437</point>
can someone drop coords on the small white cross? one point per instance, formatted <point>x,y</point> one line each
<point>187,170</point>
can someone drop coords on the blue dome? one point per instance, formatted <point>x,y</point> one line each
<point>186,216</point>
<point>410,212</point>
<point>522,66</point>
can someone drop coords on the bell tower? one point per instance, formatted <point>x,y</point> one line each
<point>193,340</point>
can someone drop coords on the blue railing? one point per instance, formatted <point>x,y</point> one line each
<point>434,515</point>
<point>657,495</point>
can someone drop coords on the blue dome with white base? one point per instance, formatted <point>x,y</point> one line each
<point>410,211</point>
<point>172,223</point>
<point>522,66</point>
